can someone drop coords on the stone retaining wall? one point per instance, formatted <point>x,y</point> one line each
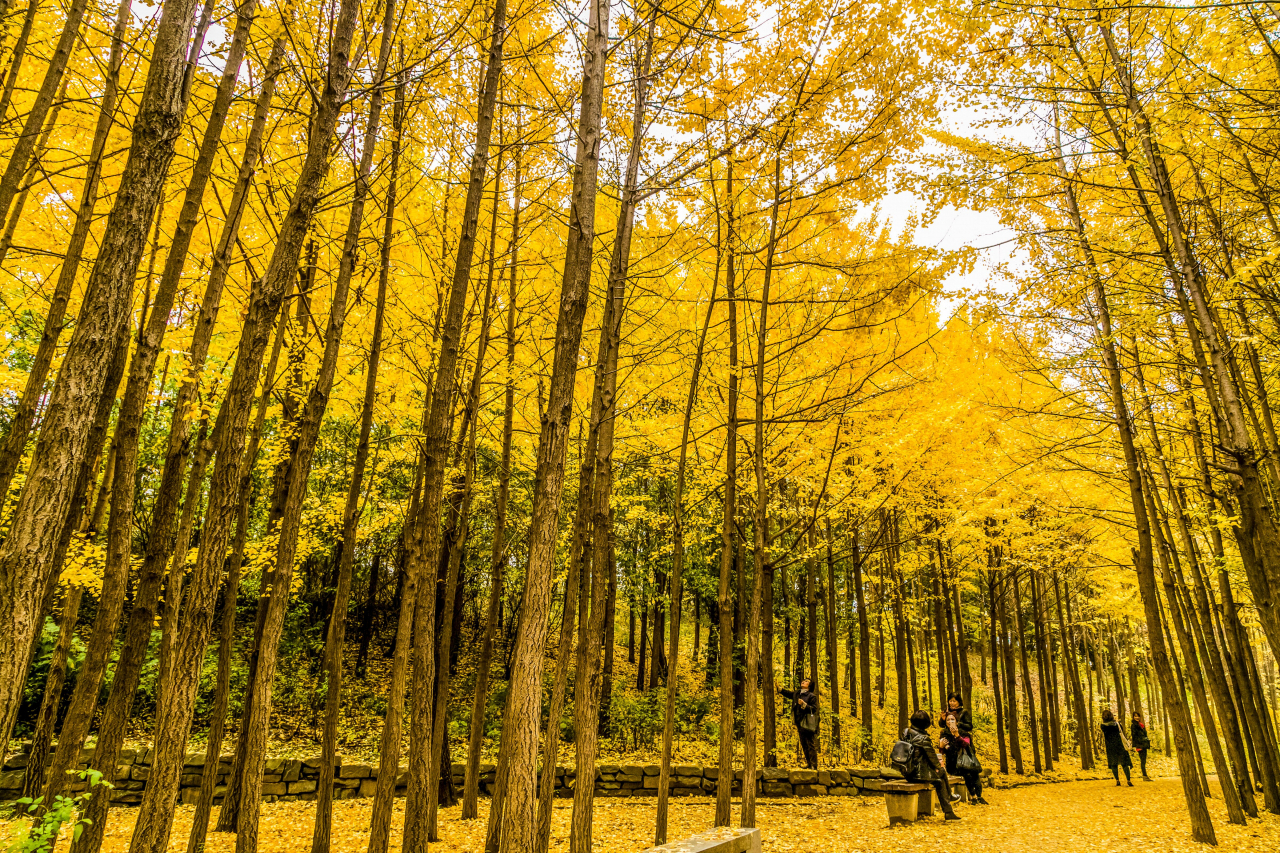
<point>294,779</point>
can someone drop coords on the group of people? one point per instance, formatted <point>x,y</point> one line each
<point>957,755</point>
<point>954,754</point>
<point>1118,748</point>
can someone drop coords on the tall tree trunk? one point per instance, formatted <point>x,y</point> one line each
<point>37,521</point>
<point>130,421</point>
<point>24,147</point>
<point>389,743</point>
<point>728,531</point>
<point>175,712</point>
<point>833,664</point>
<point>423,778</point>
<point>760,521</point>
<point>15,64</point>
<point>42,734</point>
<point>520,733</point>
<point>320,840</point>
<point>1201,823</point>
<point>1027,693</point>
<point>498,553</point>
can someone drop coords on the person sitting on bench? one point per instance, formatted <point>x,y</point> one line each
<point>928,770</point>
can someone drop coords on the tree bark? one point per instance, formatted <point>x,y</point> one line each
<point>321,835</point>
<point>42,735</point>
<point>728,532</point>
<point>26,142</point>
<point>423,776</point>
<point>498,552</point>
<point>1201,823</point>
<point>37,521</point>
<point>520,733</point>
<point>175,712</point>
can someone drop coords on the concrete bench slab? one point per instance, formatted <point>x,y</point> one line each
<point>723,839</point>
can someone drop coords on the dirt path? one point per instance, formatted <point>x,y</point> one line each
<point>1089,817</point>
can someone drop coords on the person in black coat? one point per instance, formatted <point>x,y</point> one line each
<point>930,771</point>
<point>964,720</point>
<point>1141,742</point>
<point>1117,749</point>
<point>804,704</point>
<point>956,743</point>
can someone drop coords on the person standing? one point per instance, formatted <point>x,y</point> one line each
<point>958,748</point>
<point>927,769</point>
<point>964,720</point>
<point>1141,742</point>
<point>1117,747</point>
<point>804,713</point>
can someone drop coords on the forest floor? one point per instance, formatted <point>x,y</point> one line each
<point>1092,816</point>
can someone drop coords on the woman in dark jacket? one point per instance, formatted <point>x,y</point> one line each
<point>804,702</point>
<point>955,743</point>
<point>1117,749</point>
<point>930,771</point>
<point>1141,743</point>
<point>964,720</point>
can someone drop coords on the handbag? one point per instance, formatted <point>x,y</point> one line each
<point>809,722</point>
<point>967,762</point>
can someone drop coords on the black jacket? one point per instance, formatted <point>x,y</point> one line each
<point>1117,755</point>
<point>1138,735</point>
<point>930,768</point>
<point>809,698</point>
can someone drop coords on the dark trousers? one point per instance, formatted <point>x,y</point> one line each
<point>972,781</point>
<point>1142,757</point>
<point>943,787</point>
<point>1115,771</point>
<point>809,744</point>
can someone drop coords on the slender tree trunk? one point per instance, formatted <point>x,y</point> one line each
<point>760,521</point>
<point>320,840</point>
<point>15,63</point>
<point>1028,695</point>
<point>129,426</point>
<point>520,733</point>
<point>1201,823</point>
<point>423,774</point>
<point>833,665</point>
<point>42,735</point>
<point>728,532</point>
<point>995,661</point>
<point>26,142</point>
<point>37,521</point>
<point>175,712</point>
<point>389,744</point>
<point>498,553</point>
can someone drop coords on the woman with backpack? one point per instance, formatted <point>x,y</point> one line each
<point>957,745</point>
<point>804,712</point>
<point>917,760</point>
<point>1117,747</point>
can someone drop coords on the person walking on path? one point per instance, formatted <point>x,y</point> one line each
<point>1117,747</point>
<point>804,712</point>
<point>957,745</point>
<point>1141,742</point>
<point>926,767</point>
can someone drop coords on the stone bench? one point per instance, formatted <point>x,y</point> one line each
<point>722,839</point>
<point>907,802</point>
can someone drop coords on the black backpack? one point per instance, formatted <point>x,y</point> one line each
<point>905,758</point>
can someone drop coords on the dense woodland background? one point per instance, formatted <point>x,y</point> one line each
<point>596,316</point>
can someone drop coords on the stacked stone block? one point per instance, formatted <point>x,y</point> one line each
<point>297,779</point>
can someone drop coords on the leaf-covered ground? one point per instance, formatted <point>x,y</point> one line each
<point>1092,816</point>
